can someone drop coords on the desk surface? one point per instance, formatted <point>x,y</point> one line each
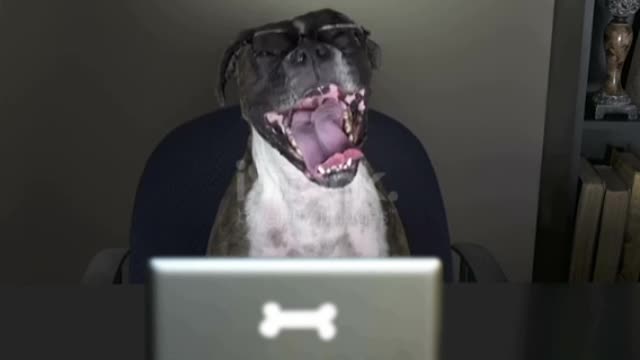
<point>495,321</point>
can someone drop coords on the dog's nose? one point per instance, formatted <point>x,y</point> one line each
<point>299,57</point>
<point>302,54</point>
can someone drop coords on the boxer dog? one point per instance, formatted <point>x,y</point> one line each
<point>304,187</point>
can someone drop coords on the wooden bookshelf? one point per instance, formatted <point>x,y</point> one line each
<point>612,125</point>
<point>571,131</point>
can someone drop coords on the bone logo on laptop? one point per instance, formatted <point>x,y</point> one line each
<point>321,319</point>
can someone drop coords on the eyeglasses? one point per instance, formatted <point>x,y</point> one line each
<point>281,40</point>
<point>325,28</point>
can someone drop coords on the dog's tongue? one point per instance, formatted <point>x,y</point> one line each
<point>319,133</point>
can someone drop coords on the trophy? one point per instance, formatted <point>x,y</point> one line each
<point>618,37</point>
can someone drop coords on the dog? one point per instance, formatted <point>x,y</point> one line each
<point>304,187</point>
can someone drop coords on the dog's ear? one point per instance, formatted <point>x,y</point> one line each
<point>228,63</point>
<point>373,50</point>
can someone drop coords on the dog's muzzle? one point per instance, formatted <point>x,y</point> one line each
<point>324,130</point>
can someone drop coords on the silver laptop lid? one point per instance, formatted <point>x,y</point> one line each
<point>295,309</point>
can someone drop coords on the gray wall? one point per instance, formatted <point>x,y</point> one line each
<point>88,88</point>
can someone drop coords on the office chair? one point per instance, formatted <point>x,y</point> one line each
<point>189,171</point>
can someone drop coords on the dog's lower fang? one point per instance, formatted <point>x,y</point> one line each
<point>347,122</point>
<point>294,145</point>
<point>349,99</point>
<point>274,117</point>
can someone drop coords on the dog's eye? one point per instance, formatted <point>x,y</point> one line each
<point>344,39</point>
<point>271,45</point>
<point>265,53</point>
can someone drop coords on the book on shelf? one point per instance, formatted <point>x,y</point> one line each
<point>627,165</point>
<point>590,196</point>
<point>611,232</point>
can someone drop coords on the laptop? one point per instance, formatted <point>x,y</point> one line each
<point>280,309</point>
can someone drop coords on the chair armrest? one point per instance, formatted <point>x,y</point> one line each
<point>477,264</point>
<point>107,267</point>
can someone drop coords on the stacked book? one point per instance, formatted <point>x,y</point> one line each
<point>606,239</point>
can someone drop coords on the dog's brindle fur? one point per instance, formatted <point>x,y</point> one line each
<point>272,209</point>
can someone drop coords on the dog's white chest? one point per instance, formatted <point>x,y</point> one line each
<point>317,223</point>
<point>297,218</point>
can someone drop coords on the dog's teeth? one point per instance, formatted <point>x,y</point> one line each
<point>321,170</point>
<point>273,117</point>
<point>351,137</point>
<point>299,152</point>
<point>349,99</point>
<point>349,162</point>
<point>347,123</point>
<point>361,106</point>
<point>361,92</point>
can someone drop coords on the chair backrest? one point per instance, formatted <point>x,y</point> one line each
<point>189,171</point>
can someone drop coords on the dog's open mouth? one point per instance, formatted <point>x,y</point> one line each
<point>324,130</point>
